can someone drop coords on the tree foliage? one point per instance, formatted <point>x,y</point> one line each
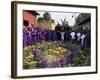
<point>64,22</point>
<point>52,21</point>
<point>40,19</point>
<point>47,16</point>
<point>64,26</point>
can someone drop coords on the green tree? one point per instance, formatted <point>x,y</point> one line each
<point>52,21</point>
<point>47,16</point>
<point>65,25</point>
<point>64,22</point>
<point>40,19</point>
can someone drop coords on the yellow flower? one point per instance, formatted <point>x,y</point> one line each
<point>59,47</point>
<point>50,49</point>
<point>56,51</point>
<point>33,46</point>
<point>38,43</point>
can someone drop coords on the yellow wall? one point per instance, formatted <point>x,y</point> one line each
<point>46,25</point>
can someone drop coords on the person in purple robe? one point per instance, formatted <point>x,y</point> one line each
<point>67,36</point>
<point>47,35</point>
<point>44,33</point>
<point>25,37</point>
<point>53,36</point>
<point>41,36</point>
<point>88,39</point>
<point>58,35</point>
<point>35,36</point>
<point>29,39</point>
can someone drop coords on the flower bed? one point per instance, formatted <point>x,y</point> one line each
<point>47,54</point>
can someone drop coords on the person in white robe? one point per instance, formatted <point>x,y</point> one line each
<point>72,34</point>
<point>83,40</point>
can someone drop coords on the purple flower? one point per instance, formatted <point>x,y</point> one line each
<point>25,41</point>
<point>63,61</point>
<point>45,64</point>
<point>45,47</point>
<point>75,52</point>
<point>56,64</point>
<point>38,55</point>
<point>67,58</point>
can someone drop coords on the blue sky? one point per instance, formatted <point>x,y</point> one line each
<point>57,16</point>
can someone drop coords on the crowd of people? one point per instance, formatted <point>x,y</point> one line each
<point>34,35</point>
<point>82,37</point>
